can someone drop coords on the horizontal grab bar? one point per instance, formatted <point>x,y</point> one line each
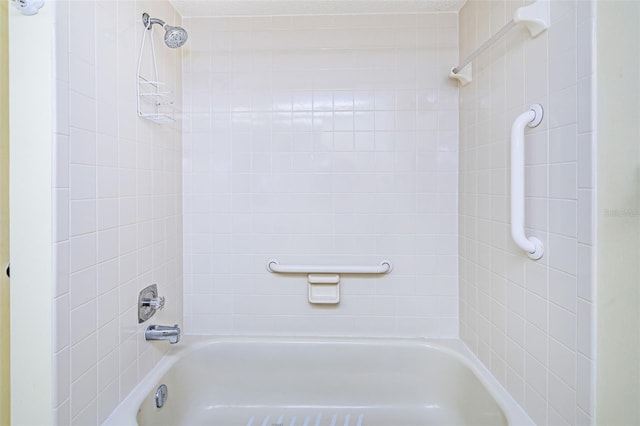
<point>384,268</point>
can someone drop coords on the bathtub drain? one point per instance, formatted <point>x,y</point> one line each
<point>161,395</point>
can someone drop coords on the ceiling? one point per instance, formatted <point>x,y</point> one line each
<point>205,8</point>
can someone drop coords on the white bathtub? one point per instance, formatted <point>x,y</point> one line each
<point>319,382</point>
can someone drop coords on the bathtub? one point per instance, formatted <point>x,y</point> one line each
<point>319,382</point>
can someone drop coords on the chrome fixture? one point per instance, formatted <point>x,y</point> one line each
<point>163,332</point>
<point>149,302</point>
<point>28,7</point>
<point>173,36</point>
<point>162,393</point>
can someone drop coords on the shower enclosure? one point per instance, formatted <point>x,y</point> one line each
<point>315,139</point>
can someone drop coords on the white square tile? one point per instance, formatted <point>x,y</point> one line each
<point>82,287</point>
<point>107,400</point>
<point>82,111</point>
<point>107,182</point>
<point>107,213</point>
<point>82,31</point>
<point>108,341</point>
<point>585,272</point>
<point>82,322</point>
<point>61,215</point>
<point>61,254</point>
<point>86,416</point>
<point>563,107</point>
<point>82,182</point>
<point>61,311</point>
<point>585,105</point>
<point>585,216</point>
<point>563,217</point>
<point>563,144</point>
<point>563,292</point>
<point>584,326</point>
<point>536,375</point>
<point>62,371</point>
<point>536,343</point>
<point>585,392</point>
<point>563,254</point>
<point>536,310</point>
<point>82,75</point>
<point>586,175</point>
<point>82,252</point>
<point>563,326</point>
<point>83,357</point>
<point>61,164</point>
<point>562,398</point>
<point>82,217</point>
<point>536,406</point>
<point>563,363</point>
<point>563,181</point>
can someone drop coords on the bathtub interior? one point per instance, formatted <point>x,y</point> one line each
<point>321,383</point>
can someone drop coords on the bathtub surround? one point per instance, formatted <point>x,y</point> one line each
<point>530,322</point>
<point>333,139</point>
<point>321,140</point>
<point>118,222</point>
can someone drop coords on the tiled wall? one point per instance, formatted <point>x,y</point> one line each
<point>314,140</point>
<point>530,321</point>
<point>118,206</point>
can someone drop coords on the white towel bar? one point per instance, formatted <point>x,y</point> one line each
<point>384,268</point>
<point>531,245</point>
<point>535,16</point>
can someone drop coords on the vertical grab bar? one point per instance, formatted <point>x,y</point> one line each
<point>531,245</point>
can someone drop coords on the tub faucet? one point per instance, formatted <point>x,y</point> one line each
<point>163,332</point>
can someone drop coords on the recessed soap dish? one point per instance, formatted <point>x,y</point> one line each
<point>324,289</point>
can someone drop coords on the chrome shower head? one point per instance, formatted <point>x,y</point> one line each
<point>173,36</point>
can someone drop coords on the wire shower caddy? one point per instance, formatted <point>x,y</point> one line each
<point>155,98</point>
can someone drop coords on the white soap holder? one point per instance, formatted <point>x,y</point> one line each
<point>324,289</point>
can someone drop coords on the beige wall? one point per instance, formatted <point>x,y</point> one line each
<point>529,321</point>
<point>31,125</point>
<point>4,215</point>
<point>618,319</point>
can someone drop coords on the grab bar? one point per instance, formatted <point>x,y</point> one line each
<point>384,268</point>
<point>531,245</point>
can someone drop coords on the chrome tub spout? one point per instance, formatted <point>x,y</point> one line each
<point>163,332</point>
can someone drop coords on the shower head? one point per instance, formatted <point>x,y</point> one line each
<point>173,36</point>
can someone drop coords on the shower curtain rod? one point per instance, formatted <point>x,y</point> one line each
<point>535,17</point>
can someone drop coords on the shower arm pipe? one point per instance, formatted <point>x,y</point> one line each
<point>531,245</point>
<point>148,21</point>
<point>275,267</point>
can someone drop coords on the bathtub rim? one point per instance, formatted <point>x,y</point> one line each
<point>125,413</point>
